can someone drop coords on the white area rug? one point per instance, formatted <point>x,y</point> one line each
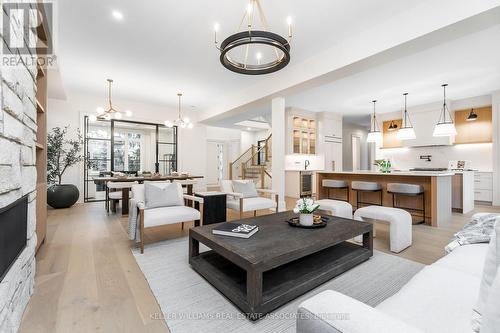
<point>190,304</point>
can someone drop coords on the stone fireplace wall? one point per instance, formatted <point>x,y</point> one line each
<point>18,177</point>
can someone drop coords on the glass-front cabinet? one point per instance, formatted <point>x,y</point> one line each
<point>304,135</point>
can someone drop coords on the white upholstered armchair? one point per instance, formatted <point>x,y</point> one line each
<point>242,196</point>
<point>162,203</point>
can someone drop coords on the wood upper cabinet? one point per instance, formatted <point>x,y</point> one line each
<point>390,137</point>
<point>477,131</point>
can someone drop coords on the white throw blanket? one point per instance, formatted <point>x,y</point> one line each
<point>478,230</point>
<point>133,221</point>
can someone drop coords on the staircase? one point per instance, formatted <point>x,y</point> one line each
<point>246,166</point>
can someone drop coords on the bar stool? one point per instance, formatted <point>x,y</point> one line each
<point>338,185</point>
<point>363,187</point>
<point>407,190</point>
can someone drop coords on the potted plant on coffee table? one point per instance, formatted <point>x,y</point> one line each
<point>306,207</point>
<point>62,153</point>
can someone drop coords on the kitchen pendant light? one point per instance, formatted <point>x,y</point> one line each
<point>406,132</point>
<point>445,125</point>
<point>374,135</point>
<point>180,121</point>
<point>472,115</point>
<point>392,126</point>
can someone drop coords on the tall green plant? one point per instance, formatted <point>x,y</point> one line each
<point>62,153</point>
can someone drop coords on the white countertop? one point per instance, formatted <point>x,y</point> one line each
<point>396,173</point>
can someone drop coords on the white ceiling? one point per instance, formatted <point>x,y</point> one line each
<point>163,46</point>
<point>469,65</point>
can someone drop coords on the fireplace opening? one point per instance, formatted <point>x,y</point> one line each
<point>13,233</point>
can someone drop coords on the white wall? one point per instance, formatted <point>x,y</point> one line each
<point>349,129</point>
<point>192,142</point>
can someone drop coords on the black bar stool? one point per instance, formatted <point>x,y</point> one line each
<point>408,190</point>
<point>361,187</point>
<point>338,185</point>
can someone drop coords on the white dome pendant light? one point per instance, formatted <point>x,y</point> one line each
<point>445,125</point>
<point>406,132</point>
<point>374,135</point>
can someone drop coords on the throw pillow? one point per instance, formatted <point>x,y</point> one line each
<point>491,313</point>
<point>163,194</point>
<point>491,264</point>
<point>247,189</point>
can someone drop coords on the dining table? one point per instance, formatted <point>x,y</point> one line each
<point>140,180</point>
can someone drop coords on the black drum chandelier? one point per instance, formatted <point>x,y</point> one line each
<point>252,51</point>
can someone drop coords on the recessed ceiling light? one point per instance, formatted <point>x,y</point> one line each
<point>117,15</point>
<point>249,129</point>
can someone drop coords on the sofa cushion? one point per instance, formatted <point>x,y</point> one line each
<point>466,258</point>
<point>169,215</point>
<point>163,194</point>
<point>491,265</point>
<point>437,299</point>
<point>251,204</point>
<point>491,313</point>
<point>246,188</point>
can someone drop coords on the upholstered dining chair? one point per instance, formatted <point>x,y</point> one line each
<point>114,193</point>
<point>162,203</point>
<point>243,196</point>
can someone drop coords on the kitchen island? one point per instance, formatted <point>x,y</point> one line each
<point>437,191</point>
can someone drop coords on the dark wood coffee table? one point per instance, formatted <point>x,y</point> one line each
<point>279,262</point>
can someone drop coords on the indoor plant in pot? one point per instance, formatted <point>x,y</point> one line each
<point>62,153</point>
<point>305,207</point>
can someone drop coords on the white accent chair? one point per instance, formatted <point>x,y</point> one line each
<point>153,217</point>
<point>114,193</point>
<point>335,207</point>
<point>399,220</point>
<point>237,202</point>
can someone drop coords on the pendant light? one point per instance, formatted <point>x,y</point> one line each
<point>182,122</point>
<point>472,116</point>
<point>374,135</point>
<point>445,125</point>
<point>110,112</point>
<point>406,132</point>
<point>392,126</point>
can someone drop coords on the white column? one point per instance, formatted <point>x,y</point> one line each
<point>278,149</point>
<point>495,102</point>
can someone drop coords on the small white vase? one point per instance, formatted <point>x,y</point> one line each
<point>306,219</point>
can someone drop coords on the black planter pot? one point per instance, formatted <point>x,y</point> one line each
<point>62,196</point>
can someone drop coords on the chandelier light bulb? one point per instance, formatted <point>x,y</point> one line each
<point>183,125</point>
<point>99,110</point>
<point>190,125</point>
<point>128,113</point>
<point>118,115</point>
<point>249,8</point>
<point>168,123</point>
<point>289,20</point>
<point>216,27</point>
<point>92,117</point>
<point>187,120</point>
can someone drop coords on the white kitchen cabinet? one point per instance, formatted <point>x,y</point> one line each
<point>483,186</point>
<point>333,155</point>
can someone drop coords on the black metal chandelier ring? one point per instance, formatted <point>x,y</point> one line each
<point>255,37</point>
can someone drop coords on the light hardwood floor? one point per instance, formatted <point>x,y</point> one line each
<point>87,279</point>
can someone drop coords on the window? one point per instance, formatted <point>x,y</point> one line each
<point>125,146</point>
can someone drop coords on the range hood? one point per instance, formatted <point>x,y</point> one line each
<point>424,122</point>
